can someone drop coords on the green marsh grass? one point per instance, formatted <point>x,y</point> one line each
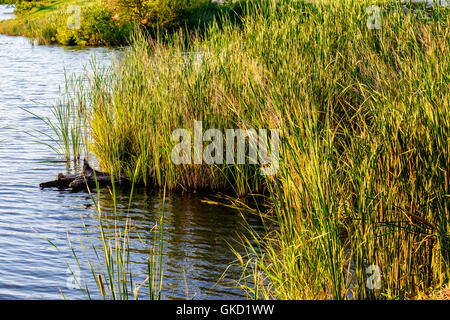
<point>68,122</point>
<point>111,271</point>
<point>47,22</point>
<point>364,120</point>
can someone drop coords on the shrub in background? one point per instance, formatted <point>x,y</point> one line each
<point>155,13</point>
<point>97,27</point>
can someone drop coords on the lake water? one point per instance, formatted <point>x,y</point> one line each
<point>197,234</point>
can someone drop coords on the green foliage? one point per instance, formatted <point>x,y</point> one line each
<point>47,22</point>
<point>96,28</point>
<point>9,1</point>
<point>364,116</point>
<point>156,13</point>
<point>108,22</point>
<point>24,6</point>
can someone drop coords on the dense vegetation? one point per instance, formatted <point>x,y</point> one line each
<point>364,172</point>
<point>106,22</point>
<point>365,155</point>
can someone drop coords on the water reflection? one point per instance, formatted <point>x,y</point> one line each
<point>196,251</point>
<point>197,240</point>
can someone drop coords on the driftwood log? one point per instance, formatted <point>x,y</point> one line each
<point>86,178</point>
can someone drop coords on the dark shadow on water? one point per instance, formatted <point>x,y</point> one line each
<point>197,239</point>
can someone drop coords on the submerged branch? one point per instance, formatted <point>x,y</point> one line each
<point>88,177</point>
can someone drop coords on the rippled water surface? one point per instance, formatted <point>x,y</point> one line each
<point>196,249</point>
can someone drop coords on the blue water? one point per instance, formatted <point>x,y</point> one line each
<point>197,235</point>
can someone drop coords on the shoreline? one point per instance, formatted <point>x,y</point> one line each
<point>94,23</point>
<point>363,151</point>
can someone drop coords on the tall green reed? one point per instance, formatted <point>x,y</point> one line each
<point>112,272</point>
<point>363,179</point>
